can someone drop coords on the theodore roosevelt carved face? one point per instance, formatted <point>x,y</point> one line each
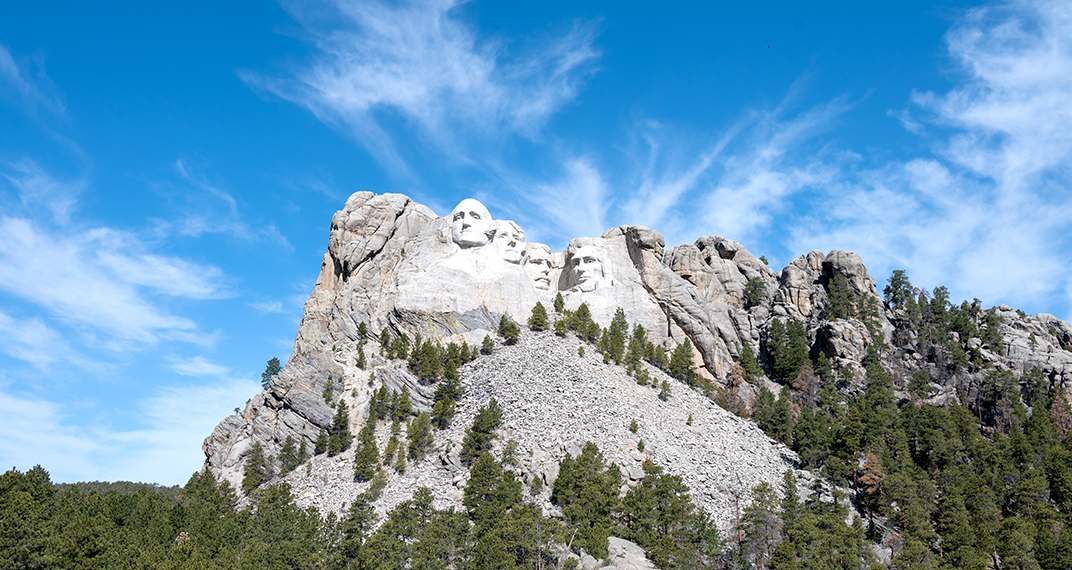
<point>588,268</point>
<point>470,224</point>
<point>510,241</point>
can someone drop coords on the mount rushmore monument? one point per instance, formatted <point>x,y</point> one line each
<point>393,267</point>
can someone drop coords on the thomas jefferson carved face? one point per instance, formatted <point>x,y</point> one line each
<point>588,268</point>
<point>470,224</point>
<point>538,266</point>
<point>510,241</point>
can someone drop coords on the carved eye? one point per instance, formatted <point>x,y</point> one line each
<point>458,216</point>
<point>475,215</point>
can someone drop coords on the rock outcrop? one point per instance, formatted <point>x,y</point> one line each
<point>393,265</point>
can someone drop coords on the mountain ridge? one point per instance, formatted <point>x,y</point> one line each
<point>393,266</point>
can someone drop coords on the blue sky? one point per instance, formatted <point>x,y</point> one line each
<point>168,171</point>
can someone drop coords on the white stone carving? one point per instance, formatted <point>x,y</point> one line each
<point>510,241</point>
<point>471,224</point>
<point>588,265</point>
<point>538,264</point>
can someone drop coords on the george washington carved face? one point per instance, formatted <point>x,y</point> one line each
<point>470,224</point>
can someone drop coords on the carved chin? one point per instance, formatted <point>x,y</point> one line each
<point>471,239</point>
<point>588,285</point>
<point>512,257</point>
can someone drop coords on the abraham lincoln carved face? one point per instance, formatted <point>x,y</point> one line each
<point>589,268</point>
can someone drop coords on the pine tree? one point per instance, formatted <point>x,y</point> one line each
<point>587,490</point>
<point>899,290</point>
<point>664,391</point>
<point>580,318</point>
<point>560,303</point>
<point>288,456</point>
<point>822,367</point>
<point>322,441</point>
<point>538,320</point>
<point>257,470</point>
<point>781,427</point>
<point>681,366</point>
<point>355,528</point>
<point>419,433</point>
<point>404,407</point>
<point>617,333</point>
<point>761,526</point>
<point>362,362</point>
<point>391,449</point>
<point>755,292</point>
<point>340,438</point>
<point>482,492</point>
<point>508,330</point>
<point>479,436</point>
<point>366,459</point>
<point>28,537</point>
<point>763,413</point>
<point>377,484</point>
<point>270,372</point>
<point>791,507</point>
<point>426,361</point>
<point>635,351</point>
<point>840,301</point>
<point>488,345</point>
<point>749,366</point>
<point>442,413</point>
<point>787,346</point>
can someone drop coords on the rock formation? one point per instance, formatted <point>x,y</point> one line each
<point>393,265</point>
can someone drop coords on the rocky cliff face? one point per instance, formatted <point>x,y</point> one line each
<point>393,265</point>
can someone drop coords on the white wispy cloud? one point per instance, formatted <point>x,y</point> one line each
<point>198,366</point>
<point>1015,108</point>
<point>989,213</point>
<point>735,186</point>
<point>99,280</point>
<point>62,275</point>
<point>209,209</point>
<point>418,61</point>
<point>576,203</point>
<point>31,340</point>
<point>27,82</point>
<point>37,188</point>
<point>34,433</point>
<point>268,306</point>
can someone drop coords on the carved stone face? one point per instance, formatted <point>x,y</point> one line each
<point>538,266</point>
<point>470,224</point>
<point>510,241</point>
<point>588,268</point>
